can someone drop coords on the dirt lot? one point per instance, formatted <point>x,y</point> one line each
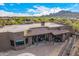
<point>42,49</point>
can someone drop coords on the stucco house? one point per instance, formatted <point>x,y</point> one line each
<point>20,36</point>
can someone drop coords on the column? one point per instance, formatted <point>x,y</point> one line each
<point>36,40</point>
<point>29,41</point>
<point>14,45</point>
<point>74,37</point>
<point>63,37</point>
<point>24,42</point>
<point>50,37</point>
<point>45,38</point>
<point>67,36</point>
<point>77,37</point>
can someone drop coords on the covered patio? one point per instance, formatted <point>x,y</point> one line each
<point>48,36</point>
<point>36,37</point>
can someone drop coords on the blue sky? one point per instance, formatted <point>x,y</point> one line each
<point>35,9</point>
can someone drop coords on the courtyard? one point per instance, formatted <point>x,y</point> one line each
<point>42,49</point>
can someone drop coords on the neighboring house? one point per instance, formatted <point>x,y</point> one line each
<point>28,21</point>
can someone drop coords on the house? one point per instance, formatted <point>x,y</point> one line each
<point>20,36</point>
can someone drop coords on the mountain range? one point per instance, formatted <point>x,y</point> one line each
<point>66,14</point>
<point>63,14</point>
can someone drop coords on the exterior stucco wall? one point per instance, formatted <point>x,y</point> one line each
<point>4,41</point>
<point>16,37</point>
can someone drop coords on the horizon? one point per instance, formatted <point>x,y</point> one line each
<point>35,9</point>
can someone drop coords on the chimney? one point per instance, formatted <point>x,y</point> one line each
<point>43,23</point>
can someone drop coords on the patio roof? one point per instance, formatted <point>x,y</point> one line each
<point>37,32</point>
<point>58,32</point>
<point>54,32</point>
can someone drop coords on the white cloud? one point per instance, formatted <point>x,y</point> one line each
<point>5,13</point>
<point>1,3</point>
<point>42,10</point>
<point>31,10</point>
<point>36,11</point>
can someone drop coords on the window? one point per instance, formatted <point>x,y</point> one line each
<point>19,43</point>
<point>12,42</point>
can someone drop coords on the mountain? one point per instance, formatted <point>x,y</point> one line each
<point>67,14</point>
